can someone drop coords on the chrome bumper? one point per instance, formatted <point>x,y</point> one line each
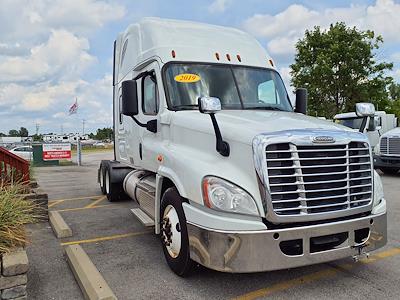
<point>255,251</point>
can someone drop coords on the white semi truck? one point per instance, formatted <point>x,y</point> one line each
<point>377,125</point>
<point>230,175</point>
<point>387,152</point>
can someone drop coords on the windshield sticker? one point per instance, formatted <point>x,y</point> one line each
<point>187,78</point>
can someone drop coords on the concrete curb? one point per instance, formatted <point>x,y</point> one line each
<point>91,282</point>
<point>60,228</point>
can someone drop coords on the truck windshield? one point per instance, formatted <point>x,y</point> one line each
<point>237,87</point>
<point>355,123</point>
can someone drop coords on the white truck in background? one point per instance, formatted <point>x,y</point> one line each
<point>230,175</point>
<point>376,125</point>
<point>387,152</point>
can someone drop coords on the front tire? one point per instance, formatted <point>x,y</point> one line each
<point>174,234</point>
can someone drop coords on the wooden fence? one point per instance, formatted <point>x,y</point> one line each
<point>12,168</point>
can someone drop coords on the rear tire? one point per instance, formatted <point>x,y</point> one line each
<point>101,179</point>
<point>174,234</point>
<point>111,189</point>
<point>390,171</point>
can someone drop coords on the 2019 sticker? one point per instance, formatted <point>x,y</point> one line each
<point>187,78</point>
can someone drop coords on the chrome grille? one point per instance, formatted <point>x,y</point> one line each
<point>390,145</point>
<point>384,145</point>
<point>312,179</point>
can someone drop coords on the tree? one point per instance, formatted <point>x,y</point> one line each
<point>338,67</point>
<point>2,134</point>
<point>23,132</point>
<point>13,132</point>
<point>104,134</point>
<point>393,106</point>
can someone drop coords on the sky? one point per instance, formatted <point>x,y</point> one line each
<point>52,51</point>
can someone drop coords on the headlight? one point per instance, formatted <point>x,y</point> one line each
<point>223,195</point>
<point>378,189</point>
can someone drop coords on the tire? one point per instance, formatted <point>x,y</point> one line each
<point>390,171</point>
<point>176,250</point>
<point>111,189</point>
<point>101,179</point>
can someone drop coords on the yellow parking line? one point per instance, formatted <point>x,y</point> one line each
<point>106,238</point>
<point>78,198</point>
<point>314,276</point>
<point>95,202</point>
<point>52,203</point>
<point>83,208</point>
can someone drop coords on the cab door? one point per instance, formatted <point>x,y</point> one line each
<point>149,142</point>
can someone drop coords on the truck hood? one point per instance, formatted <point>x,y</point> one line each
<point>243,125</point>
<point>392,132</point>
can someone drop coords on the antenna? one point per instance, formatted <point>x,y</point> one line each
<point>37,128</point>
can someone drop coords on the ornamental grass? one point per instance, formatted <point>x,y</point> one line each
<point>15,212</point>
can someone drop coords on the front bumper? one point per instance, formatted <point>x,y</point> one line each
<point>256,251</point>
<point>386,162</point>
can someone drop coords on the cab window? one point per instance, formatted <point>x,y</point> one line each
<point>150,99</point>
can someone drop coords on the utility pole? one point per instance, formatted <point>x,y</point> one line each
<point>37,128</point>
<point>83,126</point>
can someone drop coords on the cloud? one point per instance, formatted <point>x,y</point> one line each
<point>285,28</point>
<point>31,21</point>
<point>45,57</point>
<point>219,6</point>
<point>63,55</point>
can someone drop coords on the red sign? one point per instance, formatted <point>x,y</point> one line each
<point>56,151</point>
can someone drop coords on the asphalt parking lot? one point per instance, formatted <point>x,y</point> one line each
<point>130,257</point>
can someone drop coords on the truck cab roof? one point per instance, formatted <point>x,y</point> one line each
<point>173,40</point>
<point>349,115</point>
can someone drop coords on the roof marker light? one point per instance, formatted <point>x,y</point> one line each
<point>173,53</point>
<point>228,57</point>
<point>271,62</point>
<point>239,58</point>
<point>217,55</point>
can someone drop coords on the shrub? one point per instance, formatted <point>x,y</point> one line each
<point>15,212</point>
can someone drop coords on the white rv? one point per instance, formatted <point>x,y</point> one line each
<point>230,175</point>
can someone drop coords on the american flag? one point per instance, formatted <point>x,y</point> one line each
<point>74,108</point>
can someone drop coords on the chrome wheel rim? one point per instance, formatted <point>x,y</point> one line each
<point>172,236</point>
<point>101,178</point>
<point>107,182</point>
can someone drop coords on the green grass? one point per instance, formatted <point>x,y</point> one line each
<point>92,150</point>
<point>15,212</point>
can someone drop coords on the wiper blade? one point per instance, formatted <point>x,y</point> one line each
<point>266,108</point>
<point>185,106</point>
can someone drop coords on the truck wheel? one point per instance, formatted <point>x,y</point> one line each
<point>391,171</point>
<point>101,179</point>
<point>111,189</point>
<point>174,235</point>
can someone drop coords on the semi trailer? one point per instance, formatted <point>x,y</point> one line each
<point>230,174</point>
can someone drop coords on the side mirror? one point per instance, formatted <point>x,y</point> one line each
<point>129,98</point>
<point>209,105</point>
<point>365,109</point>
<point>301,101</point>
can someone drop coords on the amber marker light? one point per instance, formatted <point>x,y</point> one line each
<point>217,55</point>
<point>173,53</point>
<point>239,58</point>
<point>205,193</point>
<point>228,57</point>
